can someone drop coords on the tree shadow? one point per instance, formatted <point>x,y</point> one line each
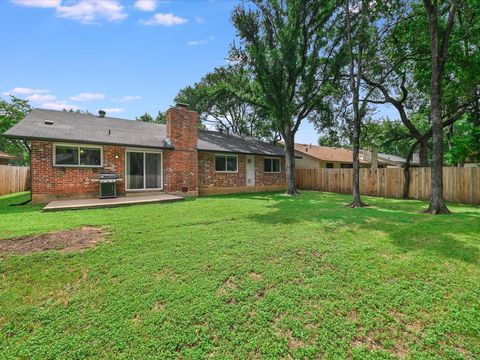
<point>8,204</point>
<point>402,221</point>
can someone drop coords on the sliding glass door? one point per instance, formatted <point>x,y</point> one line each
<point>144,170</point>
<point>153,170</point>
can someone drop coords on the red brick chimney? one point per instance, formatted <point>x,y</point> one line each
<point>181,164</point>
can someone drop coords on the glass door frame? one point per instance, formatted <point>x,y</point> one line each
<point>144,151</point>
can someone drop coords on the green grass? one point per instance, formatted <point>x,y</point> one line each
<point>243,276</point>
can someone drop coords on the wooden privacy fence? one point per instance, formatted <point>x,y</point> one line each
<point>13,179</point>
<point>459,184</point>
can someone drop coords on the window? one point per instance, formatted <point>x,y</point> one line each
<point>84,156</point>
<point>271,165</point>
<point>226,163</point>
<point>346,166</point>
<point>329,165</point>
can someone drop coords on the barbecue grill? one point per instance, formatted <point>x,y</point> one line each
<point>108,185</point>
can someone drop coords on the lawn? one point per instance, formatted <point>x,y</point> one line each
<point>246,276</point>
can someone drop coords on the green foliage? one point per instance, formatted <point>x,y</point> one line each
<point>464,143</point>
<point>11,112</point>
<point>246,276</point>
<point>284,42</point>
<point>161,118</point>
<point>386,136</point>
<point>217,103</point>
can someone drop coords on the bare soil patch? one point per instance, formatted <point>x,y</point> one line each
<point>63,241</point>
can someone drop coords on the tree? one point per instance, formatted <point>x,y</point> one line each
<point>356,46</point>
<point>10,114</point>
<point>161,118</point>
<point>216,101</point>
<point>439,41</point>
<point>284,44</point>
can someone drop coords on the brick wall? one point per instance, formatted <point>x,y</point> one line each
<point>262,178</point>
<point>50,182</point>
<point>181,164</point>
<point>209,178</point>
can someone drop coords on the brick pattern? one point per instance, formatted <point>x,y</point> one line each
<point>262,178</point>
<point>49,181</point>
<point>181,164</point>
<point>208,177</point>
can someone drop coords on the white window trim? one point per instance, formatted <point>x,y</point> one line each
<point>78,146</point>
<point>225,156</point>
<point>279,165</point>
<point>144,151</point>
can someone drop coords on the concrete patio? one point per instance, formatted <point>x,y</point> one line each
<point>58,205</point>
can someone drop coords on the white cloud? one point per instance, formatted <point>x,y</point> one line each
<point>128,98</point>
<point>164,19</point>
<point>86,96</point>
<point>38,3</point>
<point>89,11</point>
<point>200,42</point>
<point>145,5</point>
<point>60,105</point>
<point>85,11</point>
<point>113,110</point>
<point>41,98</point>
<point>26,91</point>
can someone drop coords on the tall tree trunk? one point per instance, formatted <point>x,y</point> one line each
<point>437,202</point>
<point>439,51</point>
<point>423,152</point>
<point>356,202</point>
<point>355,80</point>
<point>290,161</point>
<point>406,171</point>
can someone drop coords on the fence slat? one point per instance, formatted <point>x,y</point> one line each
<point>460,184</point>
<point>13,179</point>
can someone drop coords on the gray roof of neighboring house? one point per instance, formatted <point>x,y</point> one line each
<point>87,128</point>
<point>4,155</point>
<point>395,159</point>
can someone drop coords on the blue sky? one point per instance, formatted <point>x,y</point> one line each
<point>127,57</point>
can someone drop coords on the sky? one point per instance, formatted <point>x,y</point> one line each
<point>127,57</point>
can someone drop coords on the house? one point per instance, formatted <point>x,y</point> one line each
<point>315,157</point>
<point>71,150</point>
<point>6,158</point>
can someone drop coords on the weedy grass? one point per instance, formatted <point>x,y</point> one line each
<point>246,276</point>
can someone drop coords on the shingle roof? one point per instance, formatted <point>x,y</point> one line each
<point>327,153</point>
<point>395,159</point>
<point>216,141</point>
<point>87,128</point>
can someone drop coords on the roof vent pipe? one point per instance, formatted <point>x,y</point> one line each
<point>102,113</point>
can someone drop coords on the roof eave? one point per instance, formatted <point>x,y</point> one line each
<point>24,137</point>
<point>241,152</point>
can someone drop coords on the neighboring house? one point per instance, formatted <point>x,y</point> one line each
<point>5,158</point>
<point>315,157</point>
<point>71,150</point>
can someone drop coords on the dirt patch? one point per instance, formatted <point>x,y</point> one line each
<point>227,286</point>
<point>63,241</point>
<point>255,276</point>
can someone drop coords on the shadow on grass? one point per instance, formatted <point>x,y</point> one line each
<point>7,203</point>
<point>402,221</point>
